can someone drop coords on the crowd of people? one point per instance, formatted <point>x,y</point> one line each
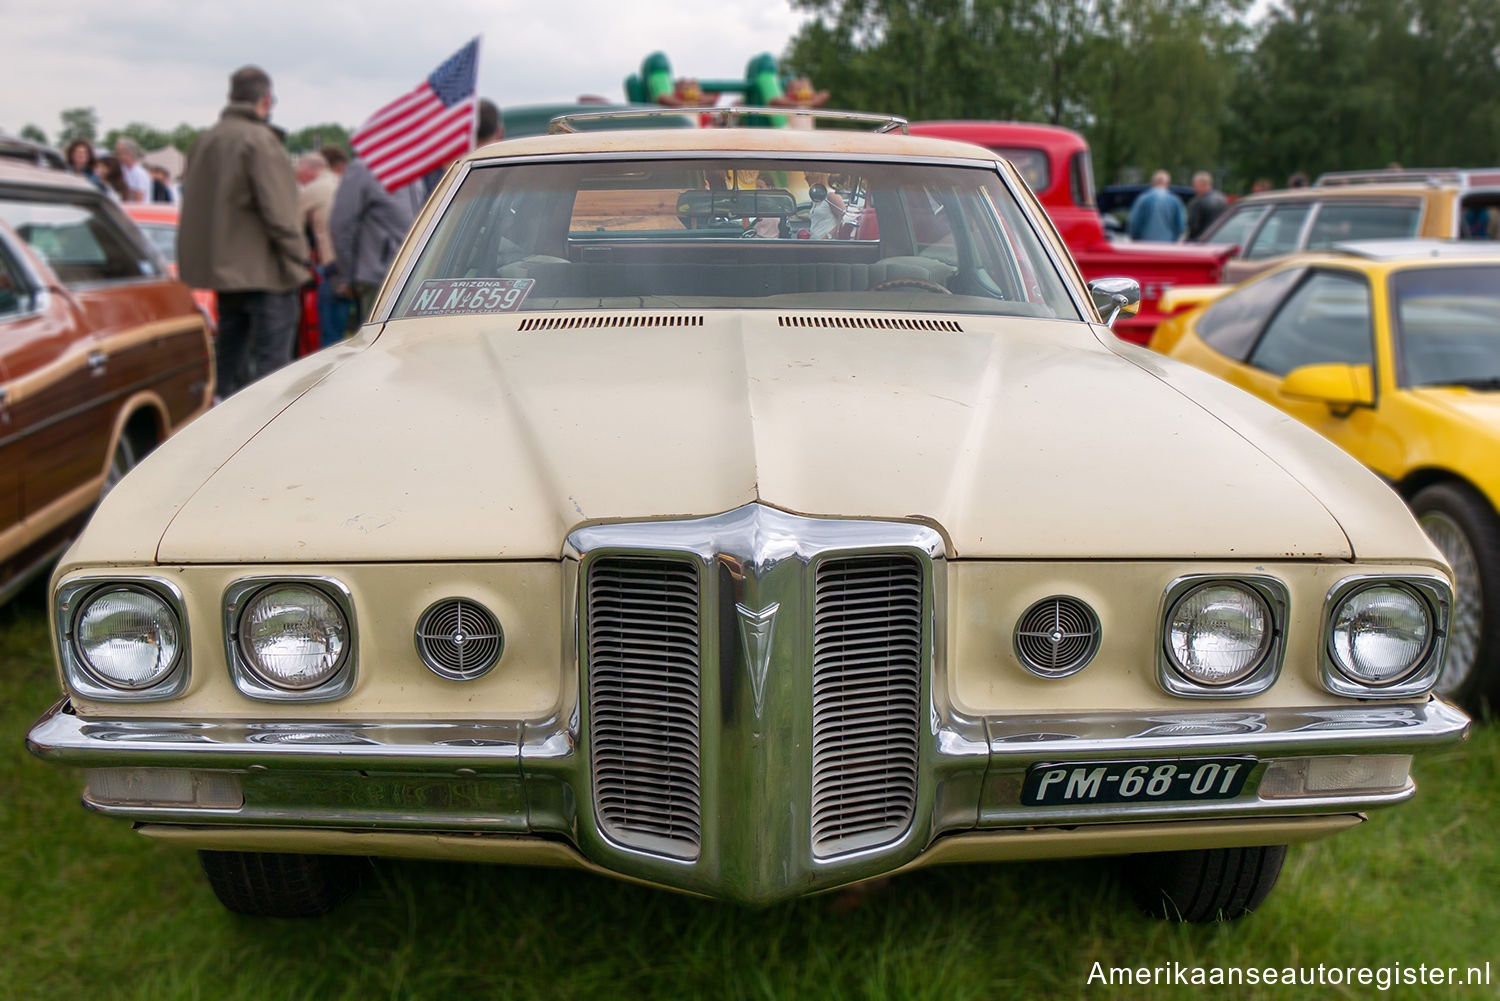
<point>257,229</point>
<point>122,174</point>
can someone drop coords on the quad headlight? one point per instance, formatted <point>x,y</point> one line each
<point>290,639</point>
<point>1380,633</point>
<point>1221,637</point>
<point>123,640</point>
<point>127,637</point>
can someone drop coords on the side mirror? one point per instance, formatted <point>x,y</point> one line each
<point>1114,297</point>
<point>1342,387</point>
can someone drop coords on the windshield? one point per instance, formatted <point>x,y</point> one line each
<point>733,233</point>
<point>1448,325</point>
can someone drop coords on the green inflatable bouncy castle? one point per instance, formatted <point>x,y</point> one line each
<point>761,83</point>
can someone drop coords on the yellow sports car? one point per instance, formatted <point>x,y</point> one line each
<point>1392,350</point>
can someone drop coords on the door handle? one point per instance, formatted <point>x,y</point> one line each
<point>98,362</point>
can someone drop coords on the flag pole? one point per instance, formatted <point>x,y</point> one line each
<point>474,119</point>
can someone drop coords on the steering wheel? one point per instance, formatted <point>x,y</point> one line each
<point>915,284</point>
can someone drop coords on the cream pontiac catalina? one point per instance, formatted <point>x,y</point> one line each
<point>748,512</point>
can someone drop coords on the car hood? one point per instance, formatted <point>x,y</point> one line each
<point>474,440</point>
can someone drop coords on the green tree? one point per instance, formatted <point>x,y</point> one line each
<point>1145,80</point>
<point>147,136</point>
<point>183,137</point>
<point>78,123</point>
<point>1340,84</point>
<point>314,137</point>
<point>33,133</point>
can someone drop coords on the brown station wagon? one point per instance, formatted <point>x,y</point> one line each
<point>1356,205</point>
<point>102,356</point>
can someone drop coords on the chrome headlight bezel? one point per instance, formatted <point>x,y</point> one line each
<point>1270,591</point>
<point>249,681</point>
<point>74,595</point>
<point>1433,592</point>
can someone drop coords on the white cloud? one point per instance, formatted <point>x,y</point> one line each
<point>168,61</point>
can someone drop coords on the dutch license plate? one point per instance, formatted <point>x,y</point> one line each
<point>1072,784</point>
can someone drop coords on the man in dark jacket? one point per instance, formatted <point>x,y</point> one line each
<point>1207,205</point>
<point>241,234</point>
<point>368,224</point>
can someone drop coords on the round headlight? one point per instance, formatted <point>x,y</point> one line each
<point>1219,633</point>
<point>127,637</point>
<point>1380,634</point>
<point>293,636</point>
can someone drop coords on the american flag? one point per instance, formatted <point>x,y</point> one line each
<point>425,128</point>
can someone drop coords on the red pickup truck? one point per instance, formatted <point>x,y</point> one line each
<point>1055,162</point>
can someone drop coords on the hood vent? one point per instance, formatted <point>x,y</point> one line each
<point>594,320</point>
<point>869,322</point>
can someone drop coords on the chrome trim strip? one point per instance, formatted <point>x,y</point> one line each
<point>1439,598</point>
<point>341,683</point>
<point>71,596</point>
<point>1172,679</point>
<point>63,736</point>
<point>1348,729</point>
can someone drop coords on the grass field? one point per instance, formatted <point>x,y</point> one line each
<point>92,910</point>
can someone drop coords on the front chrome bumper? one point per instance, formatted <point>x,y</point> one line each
<point>515,778</point>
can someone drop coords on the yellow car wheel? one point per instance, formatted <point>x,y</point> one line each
<point>1466,530</point>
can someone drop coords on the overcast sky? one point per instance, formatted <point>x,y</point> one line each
<point>168,61</point>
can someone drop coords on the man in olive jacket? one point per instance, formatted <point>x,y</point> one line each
<point>241,234</point>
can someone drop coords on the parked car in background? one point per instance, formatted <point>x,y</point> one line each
<point>745,563</point>
<point>1056,164</point>
<point>523,120</point>
<point>1270,226</point>
<point>1391,349</point>
<point>158,223</point>
<point>102,356</point>
<point>26,151</point>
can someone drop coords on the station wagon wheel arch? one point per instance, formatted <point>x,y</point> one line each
<point>140,425</point>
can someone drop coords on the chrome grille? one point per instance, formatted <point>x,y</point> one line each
<point>643,657</point>
<point>867,683</point>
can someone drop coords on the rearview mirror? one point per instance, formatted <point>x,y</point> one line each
<point>1342,387</point>
<point>705,205</point>
<point>1115,297</point>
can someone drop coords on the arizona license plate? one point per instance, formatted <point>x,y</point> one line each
<point>1135,781</point>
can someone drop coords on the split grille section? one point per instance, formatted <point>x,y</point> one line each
<point>867,685</point>
<point>644,656</point>
<point>644,666</point>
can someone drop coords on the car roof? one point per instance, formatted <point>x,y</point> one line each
<point>19,172</point>
<point>1420,250</point>
<point>830,142</point>
<point>1430,176</point>
<point>1001,133</point>
<point>1415,189</point>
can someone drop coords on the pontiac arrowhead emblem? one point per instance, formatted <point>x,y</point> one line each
<point>755,632</point>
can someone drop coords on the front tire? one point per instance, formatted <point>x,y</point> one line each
<point>268,885</point>
<point>1463,526</point>
<point>1204,885</point>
